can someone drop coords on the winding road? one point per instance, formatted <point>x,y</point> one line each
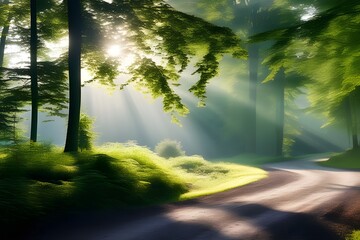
<point>299,200</point>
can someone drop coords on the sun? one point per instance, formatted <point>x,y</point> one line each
<point>114,51</point>
<point>126,58</point>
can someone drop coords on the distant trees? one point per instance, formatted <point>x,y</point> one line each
<point>324,50</point>
<point>249,18</point>
<point>9,106</point>
<point>298,55</point>
<point>41,83</point>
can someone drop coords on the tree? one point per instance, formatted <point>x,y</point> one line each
<point>46,86</point>
<point>154,29</point>
<point>324,50</point>
<point>74,21</point>
<point>5,23</point>
<point>249,18</point>
<point>33,72</point>
<point>8,107</point>
<point>280,113</point>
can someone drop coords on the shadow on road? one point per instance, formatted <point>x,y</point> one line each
<point>155,225</point>
<point>286,225</point>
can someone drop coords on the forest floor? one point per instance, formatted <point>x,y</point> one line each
<point>299,200</point>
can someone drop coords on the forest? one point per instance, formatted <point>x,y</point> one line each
<point>110,104</point>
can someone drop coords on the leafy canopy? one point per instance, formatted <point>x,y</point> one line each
<point>325,51</point>
<point>160,42</point>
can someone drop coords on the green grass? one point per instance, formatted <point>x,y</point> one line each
<point>347,160</point>
<point>259,160</point>
<point>251,159</point>
<point>204,178</point>
<point>42,180</point>
<point>355,235</point>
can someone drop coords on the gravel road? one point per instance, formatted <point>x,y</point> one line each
<point>299,200</point>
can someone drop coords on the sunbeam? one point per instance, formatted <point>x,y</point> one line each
<point>129,115</point>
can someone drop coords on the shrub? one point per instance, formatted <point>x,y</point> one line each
<point>198,165</point>
<point>355,235</point>
<point>86,135</point>
<point>169,148</point>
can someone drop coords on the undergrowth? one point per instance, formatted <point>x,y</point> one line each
<point>41,180</point>
<point>355,235</point>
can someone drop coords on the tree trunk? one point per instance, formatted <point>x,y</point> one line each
<point>4,34</point>
<point>354,119</point>
<point>251,114</point>
<point>280,111</point>
<point>253,51</point>
<point>74,19</point>
<point>33,73</point>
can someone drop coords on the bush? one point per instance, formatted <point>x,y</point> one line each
<point>86,134</point>
<point>355,235</point>
<point>169,148</point>
<point>198,165</point>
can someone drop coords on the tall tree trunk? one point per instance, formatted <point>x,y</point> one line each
<point>33,73</point>
<point>7,129</point>
<point>74,19</point>
<point>4,34</point>
<point>354,119</point>
<point>280,111</point>
<point>253,51</point>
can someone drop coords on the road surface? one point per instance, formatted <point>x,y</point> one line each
<point>299,200</point>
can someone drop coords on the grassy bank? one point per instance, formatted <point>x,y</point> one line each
<point>204,178</point>
<point>347,160</point>
<point>42,180</point>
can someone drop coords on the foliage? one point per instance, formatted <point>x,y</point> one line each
<point>199,166</point>
<point>41,180</point>
<point>247,18</point>
<point>162,42</point>
<point>15,80</point>
<point>324,51</point>
<point>169,148</point>
<point>86,134</point>
<point>355,235</point>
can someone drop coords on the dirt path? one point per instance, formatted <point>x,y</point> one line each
<point>299,200</point>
